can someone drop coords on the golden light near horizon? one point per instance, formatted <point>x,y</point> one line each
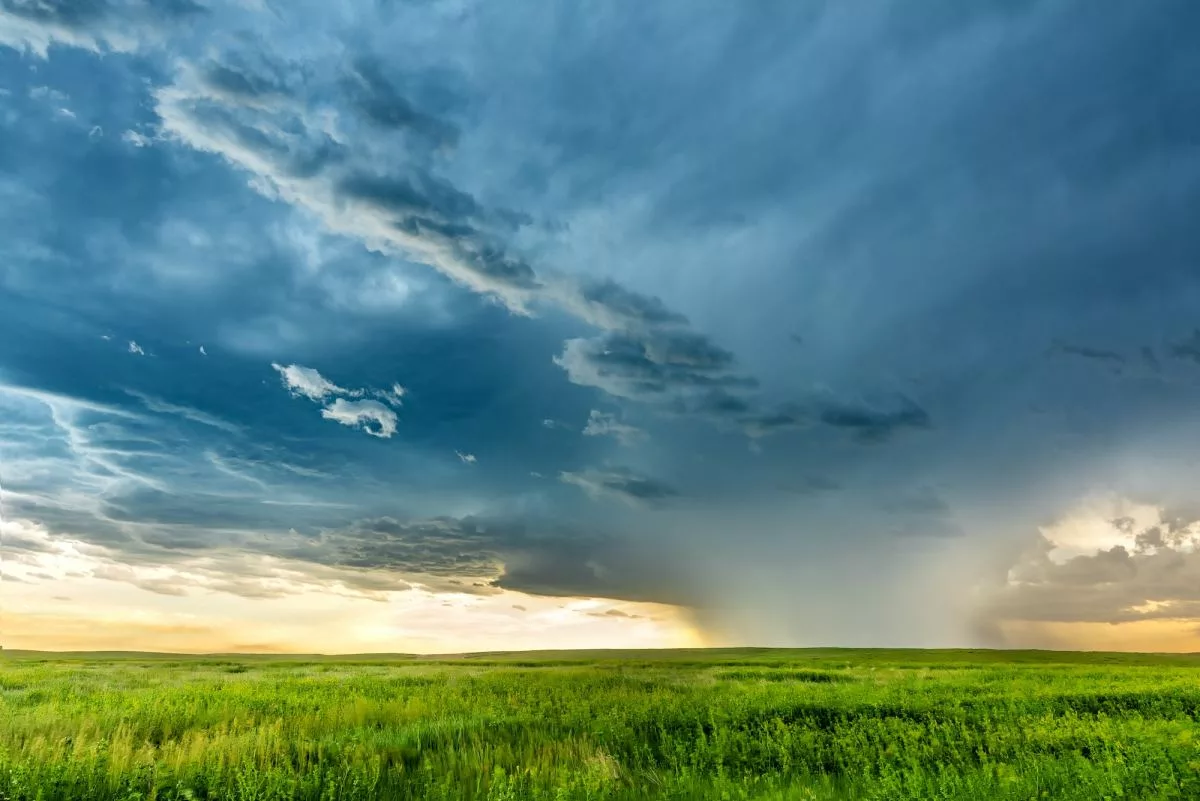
<point>65,595</point>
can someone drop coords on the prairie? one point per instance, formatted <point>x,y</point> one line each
<point>715,724</point>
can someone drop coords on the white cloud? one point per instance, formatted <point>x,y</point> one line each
<point>136,348</point>
<point>307,382</point>
<point>203,352</point>
<point>393,396</point>
<point>371,416</point>
<point>136,139</point>
<point>467,458</point>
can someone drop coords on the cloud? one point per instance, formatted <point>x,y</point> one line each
<point>203,352</point>
<point>137,139</point>
<point>381,103</point>
<point>441,547</point>
<point>648,354</point>
<point>465,458</point>
<point>393,396</point>
<point>928,219</point>
<point>1147,569</point>
<point>136,349</point>
<point>406,211</point>
<point>606,425</point>
<point>610,613</point>
<point>316,137</point>
<point>483,554</point>
<point>93,25</point>
<point>621,483</point>
<point>195,415</point>
<point>307,382</point>
<point>664,367</point>
<point>875,422</point>
<point>371,416</point>
<point>607,304</point>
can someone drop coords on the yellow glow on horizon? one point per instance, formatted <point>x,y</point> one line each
<point>73,596</point>
<point>1156,636</point>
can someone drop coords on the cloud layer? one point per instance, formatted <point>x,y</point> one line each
<point>827,321</point>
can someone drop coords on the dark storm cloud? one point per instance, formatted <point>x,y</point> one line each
<point>441,547</point>
<point>931,199</point>
<point>229,108</point>
<point>482,554</point>
<point>412,211</point>
<point>649,354</point>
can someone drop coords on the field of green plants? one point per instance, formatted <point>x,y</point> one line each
<point>727,724</point>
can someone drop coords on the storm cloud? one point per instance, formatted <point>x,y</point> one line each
<point>822,317</point>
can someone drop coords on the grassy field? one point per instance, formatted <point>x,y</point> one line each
<point>726,724</point>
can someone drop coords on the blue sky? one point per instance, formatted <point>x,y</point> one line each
<point>788,325</point>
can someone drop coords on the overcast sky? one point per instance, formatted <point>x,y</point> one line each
<point>439,325</point>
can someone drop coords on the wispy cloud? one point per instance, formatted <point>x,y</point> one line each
<point>601,424</point>
<point>188,413</point>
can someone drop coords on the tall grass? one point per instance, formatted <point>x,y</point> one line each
<point>750,725</point>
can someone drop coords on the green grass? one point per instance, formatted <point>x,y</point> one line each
<point>724,724</point>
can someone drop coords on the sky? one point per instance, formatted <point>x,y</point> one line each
<point>451,325</point>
